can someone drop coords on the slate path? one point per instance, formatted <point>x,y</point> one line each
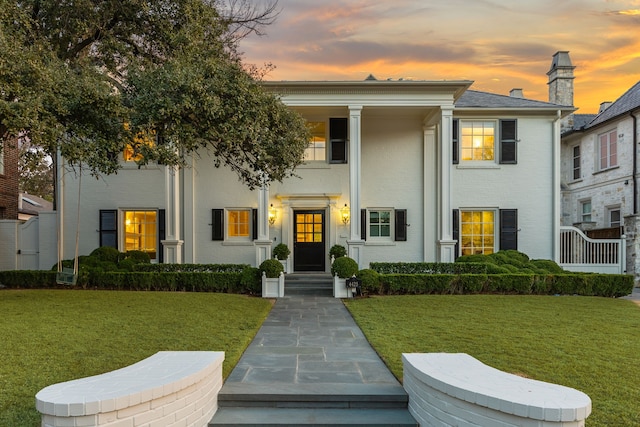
<point>310,364</point>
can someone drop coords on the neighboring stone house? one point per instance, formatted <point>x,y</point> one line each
<point>600,182</point>
<point>9,180</point>
<point>30,206</point>
<point>396,171</point>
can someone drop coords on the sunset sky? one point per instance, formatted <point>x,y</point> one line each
<point>499,44</point>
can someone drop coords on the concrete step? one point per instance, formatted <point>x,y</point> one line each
<point>318,395</point>
<point>320,284</point>
<point>316,417</point>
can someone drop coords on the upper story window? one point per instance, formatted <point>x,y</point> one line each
<point>485,141</point>
<point>585,209</point>
<point>317,149</point>
<point>132,151</point>
<point>577,173</point>
<point>608,145</point>
<point>478,140</point>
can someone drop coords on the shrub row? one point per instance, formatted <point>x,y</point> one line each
<point>429,268</point>
<point>605,285</point>
<point>247,281</point>
<point>193,268</point>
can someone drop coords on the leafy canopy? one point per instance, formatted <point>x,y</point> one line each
<point>90,77</point>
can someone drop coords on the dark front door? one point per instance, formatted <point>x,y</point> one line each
<point>308,237</point>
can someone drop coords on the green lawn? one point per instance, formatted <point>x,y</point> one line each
<point>588,343</point>
<point>49,336</point>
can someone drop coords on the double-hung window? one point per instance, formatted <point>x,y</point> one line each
<point>317,148</point>
<point>608,146</point>
<point>478,140</point>
<point>238,224</point>
<point>585,211</point>
<point>615,219</point>
<point>380,224</point>
<point>477,232</point>
<point>577,173</point>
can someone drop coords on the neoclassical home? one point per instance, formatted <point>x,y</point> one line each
<point>395,171</point>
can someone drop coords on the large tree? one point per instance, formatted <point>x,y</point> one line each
<point>89,77</point>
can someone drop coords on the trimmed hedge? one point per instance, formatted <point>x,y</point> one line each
<point>193,268</point>
<point>588,284</point>
<point>429,268</point>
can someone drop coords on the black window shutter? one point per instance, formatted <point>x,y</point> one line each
<point>455,147</point>
<point>363,224</point>
<point>109,228</point>
<point>508,144</point>
<point>456,231</point>
<point>338,140</point>
<point>162,233</point>
<point>217,224</point>
<point>508,229</point>
<point>401,225</point>
<point>254,220</point>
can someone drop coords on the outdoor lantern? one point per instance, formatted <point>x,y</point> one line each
<point>346,214</point>
<point>273,214</point>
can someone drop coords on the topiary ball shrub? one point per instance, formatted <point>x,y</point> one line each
<point>337,251</point>
<point>272,268</point>
<point>344,267</point>
<point>281,251</point>
<point>106,253</point>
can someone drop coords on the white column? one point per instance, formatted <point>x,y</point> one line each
<point>446,244</point>
<point>172,245</point>
<point>430,208</point>
<point>355,242</point>
<point>557,193</point>
<point>188,218</point>
<point>263,243</point>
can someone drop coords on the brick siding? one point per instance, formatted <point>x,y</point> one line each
<point>9,181</point>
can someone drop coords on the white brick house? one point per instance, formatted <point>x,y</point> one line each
<point>397,171</point>
<point>600,155</point>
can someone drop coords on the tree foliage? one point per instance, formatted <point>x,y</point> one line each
<point>35,171</point>
<point>89,78</point>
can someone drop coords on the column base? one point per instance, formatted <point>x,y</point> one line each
<point>447,250</point>
<point>172,251</point>
<point>355,251</point>
<point>263,250</point>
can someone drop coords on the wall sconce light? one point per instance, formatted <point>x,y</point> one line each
<point>345,214</point>
<point>273,214</point>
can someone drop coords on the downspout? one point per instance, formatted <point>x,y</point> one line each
<point>556,186</point>
<point>635,164</point>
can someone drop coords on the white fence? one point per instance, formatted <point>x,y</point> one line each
<point>31,245</point>
<point>584,254</point>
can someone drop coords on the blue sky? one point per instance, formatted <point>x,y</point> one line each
<point>499,44</point>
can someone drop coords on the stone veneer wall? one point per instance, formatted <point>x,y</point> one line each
<point>170,388</point>
<point>458,390</point>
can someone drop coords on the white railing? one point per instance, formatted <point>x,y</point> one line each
<point>578,252</point>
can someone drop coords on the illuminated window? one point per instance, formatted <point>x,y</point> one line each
<point>608,150</point>
<point>477,234</point>
<point>141,232</point>
<point>316,151</point>
<point>380,224</point>
<point>238,224</point>
<point>478,140</point>
<point>132,151</point>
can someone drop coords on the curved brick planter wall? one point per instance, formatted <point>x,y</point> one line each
<point>458,390</point>
<point>170,388</point>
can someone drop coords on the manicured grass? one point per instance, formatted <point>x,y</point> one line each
<point>588,343</point>
<point>53,336</point>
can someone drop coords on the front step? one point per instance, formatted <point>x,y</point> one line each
<point>318,284</point>
<point>261,417</point>
<point>328,404</point>
<point>318,395</point>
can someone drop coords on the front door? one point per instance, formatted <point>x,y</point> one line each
<point>308,238</point>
